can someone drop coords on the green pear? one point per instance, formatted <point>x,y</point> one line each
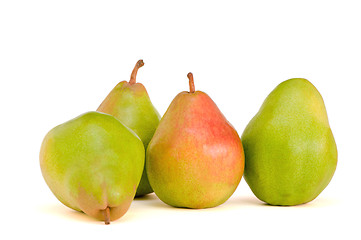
<point>195,158</point>
<point>93,164</point>
<point>290,151</point>
<point>129,102</point>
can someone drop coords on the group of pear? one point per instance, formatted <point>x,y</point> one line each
<point>192,157</point>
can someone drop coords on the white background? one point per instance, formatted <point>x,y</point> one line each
<point>59,59</point>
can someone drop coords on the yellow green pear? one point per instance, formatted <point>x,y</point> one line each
<point>290,151</point>
<point>129,102</point>
<point>93,164</point>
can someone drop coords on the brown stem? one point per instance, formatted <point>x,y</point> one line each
<point>133,77</point>
<point>191,82</point>
<point>107,216</point>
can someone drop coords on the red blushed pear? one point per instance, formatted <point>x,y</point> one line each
<point>129,102</point>
<point>195,158</point>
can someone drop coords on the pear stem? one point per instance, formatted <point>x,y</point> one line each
<point>191,82</point>
<point>107,216</point>
<point>133,76</point>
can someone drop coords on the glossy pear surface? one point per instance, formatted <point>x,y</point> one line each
<point>290,151</point>
<point>129,102</point>
<point>195,158</point>
<point>93,164</point>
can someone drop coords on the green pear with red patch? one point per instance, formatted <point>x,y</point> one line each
<point>93,164</point>
<point>129,102</point>
<point>195,158</point>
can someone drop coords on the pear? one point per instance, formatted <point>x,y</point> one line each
<point>290,151</point>
<point>195,158</point>
<point>93,164</point>
<point>129,102</point>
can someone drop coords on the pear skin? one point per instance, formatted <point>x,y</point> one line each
<point>195,158</point>
<point>290,150</point>
<point>93,164</point>
<point>129,102</point>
